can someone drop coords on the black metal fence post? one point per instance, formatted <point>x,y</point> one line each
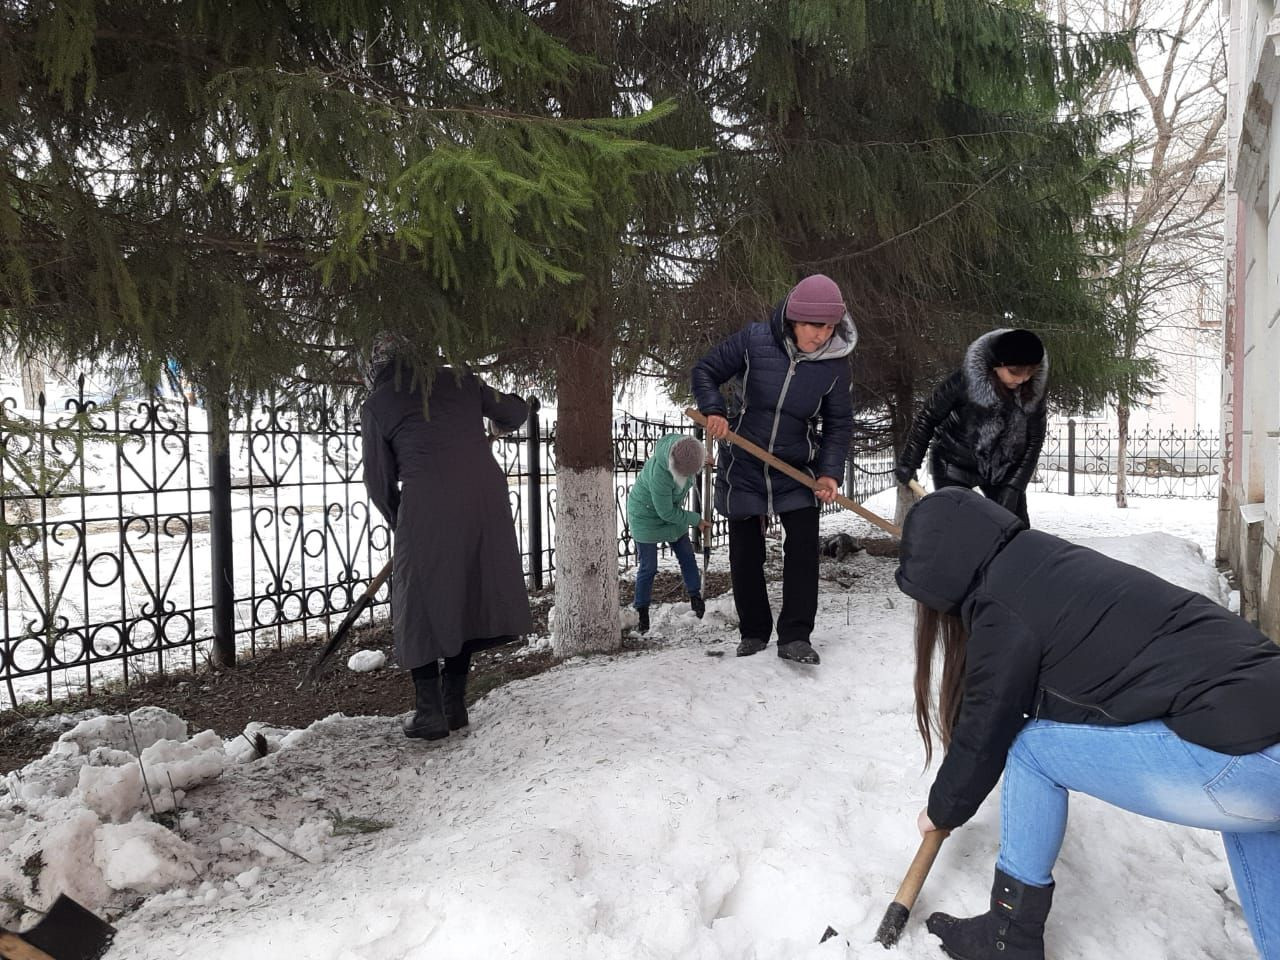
<point>535,495</point>
<point>1071,457</point>
<point>222,548</point>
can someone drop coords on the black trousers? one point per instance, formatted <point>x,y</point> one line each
<point>799,576</point>
<point>454,666</point>
<point>940,480</point>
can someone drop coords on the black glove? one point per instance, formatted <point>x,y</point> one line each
<point>903,474</point>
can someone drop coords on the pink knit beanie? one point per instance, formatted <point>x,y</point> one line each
<point>816,299</point>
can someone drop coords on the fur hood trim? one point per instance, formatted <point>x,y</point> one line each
<point>980,383</point>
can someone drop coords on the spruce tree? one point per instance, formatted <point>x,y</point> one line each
<point>251,189</point>
<point>932,157</point>
<point>254,191</point>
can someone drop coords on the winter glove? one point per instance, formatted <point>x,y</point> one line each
<point>903,474</point>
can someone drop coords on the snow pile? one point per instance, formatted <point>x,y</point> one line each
<point>1180,561</point>
<point>104,816</point>
<point>83,819</point>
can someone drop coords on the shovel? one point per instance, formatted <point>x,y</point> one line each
<point>66,932</point>
<point>313,672</point>
<point>895,915</point>
<point>707,512</point>
<point>798,475</point>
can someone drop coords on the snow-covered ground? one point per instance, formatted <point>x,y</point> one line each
<point>675,802</point>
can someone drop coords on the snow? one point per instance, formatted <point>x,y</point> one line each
<point>668,802</point>
<point>366,661</point>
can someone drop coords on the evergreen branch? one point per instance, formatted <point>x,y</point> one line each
<point>896,238</point>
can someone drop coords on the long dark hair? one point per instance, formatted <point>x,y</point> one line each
<point>930,626</point>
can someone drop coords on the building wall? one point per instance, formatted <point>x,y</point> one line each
<point>1249,511</point>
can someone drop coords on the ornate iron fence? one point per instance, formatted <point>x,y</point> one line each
<point>301,519</point>
<point>1080,459</point>
<point>110,520</point>
<point>132,542</point>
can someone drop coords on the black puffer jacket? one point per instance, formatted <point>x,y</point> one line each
<point>1060,632</point>
<point>982,433</point>
<point>784,398</point>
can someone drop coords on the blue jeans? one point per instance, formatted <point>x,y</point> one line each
<point>648,556</point>
<point>1148,769</point>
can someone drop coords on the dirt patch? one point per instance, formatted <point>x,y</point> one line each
<point>880,546</point>
<point>263,688</point>
<point>669,588</point>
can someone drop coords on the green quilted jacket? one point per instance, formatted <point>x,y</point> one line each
<point>654,511</point>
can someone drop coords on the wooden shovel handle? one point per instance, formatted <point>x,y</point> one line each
<point>798,475</point>
<point>930,844</point>
<point>13,947</point>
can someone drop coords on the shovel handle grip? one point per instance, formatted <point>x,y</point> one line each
<point>799,476</point>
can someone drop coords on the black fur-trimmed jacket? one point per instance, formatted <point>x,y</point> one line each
<point>982,433</point>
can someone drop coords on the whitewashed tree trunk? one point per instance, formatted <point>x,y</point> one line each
<point>587,614</point>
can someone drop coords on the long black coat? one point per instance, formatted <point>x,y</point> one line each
<point>797,408</point>
<point>457,582</point>
<point>982,434</point>
<point>1060,632</point>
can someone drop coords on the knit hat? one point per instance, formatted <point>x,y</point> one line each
<point>1017,348</point>
<point>687,456</point>
<point>816,299</point>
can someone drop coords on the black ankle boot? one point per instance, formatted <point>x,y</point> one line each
<point>428,721</point>
<point>643,626</point>
<point>455,698</point>
<point>698,604</point>
<point>1013,929</point>
<point>750,646</point>
<point>801,651</point>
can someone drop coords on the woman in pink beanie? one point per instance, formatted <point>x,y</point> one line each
<point>790,387</point>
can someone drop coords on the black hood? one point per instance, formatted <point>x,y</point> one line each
<point>948,540</point>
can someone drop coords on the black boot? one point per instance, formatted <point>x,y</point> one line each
<point>643,626</point>
<point>801,651</point>
<point>1013,929</point>
<point>455,691</point>
<point>749,646</point>
<point>428,721</point>
<point>698,604</point>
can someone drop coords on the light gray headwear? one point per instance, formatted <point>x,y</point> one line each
<point>687,456</point>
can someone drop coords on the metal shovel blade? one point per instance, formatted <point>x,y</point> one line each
<point>70,932</point>
<point>891,927</point>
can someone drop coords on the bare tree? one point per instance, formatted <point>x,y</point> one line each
<point>1169,206</point>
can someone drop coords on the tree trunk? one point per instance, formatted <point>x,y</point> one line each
<point>586,548</point>
<point>1122,454</point>
<point>32,381</point>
